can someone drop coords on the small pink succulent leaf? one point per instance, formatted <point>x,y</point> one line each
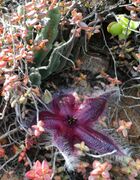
<point>124,127</point>
<point>94,177</point>
<point>45,165</point>
<point>37,133</point>
<point>96,172</point>
<point>30,174</point>
<point>96,164</point>
<point>101,170</point>
<point>39,171</point>
<point>38,129</point>
<point>2,152</point>
<point>106,174</point>
<point>37,165</point>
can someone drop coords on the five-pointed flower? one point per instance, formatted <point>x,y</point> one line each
<point>70,120</point>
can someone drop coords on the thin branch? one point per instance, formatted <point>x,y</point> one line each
<point>132,97</point>
<point>114,60</point>
<point>4,110</point>
<point>11,159</point>
<point>102,155</point>
<point>9,133</point>
<point>67,59</point>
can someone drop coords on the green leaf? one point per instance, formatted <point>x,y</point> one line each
<point>47,97</point>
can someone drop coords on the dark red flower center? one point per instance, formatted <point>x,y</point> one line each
<point>71,121</point>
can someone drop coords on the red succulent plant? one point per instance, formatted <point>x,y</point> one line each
<point>40,171</point>
<point>70,120</point>
<point>100,171</point>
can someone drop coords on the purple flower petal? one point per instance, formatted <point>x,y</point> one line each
<point>47,115</point>
<point>96,140</point>
<point>64,104</point>
<point>90,110</point>
<point>52,125</point>
<point>66,149</point>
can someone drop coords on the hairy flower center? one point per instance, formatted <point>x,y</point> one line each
<point>71,120</point>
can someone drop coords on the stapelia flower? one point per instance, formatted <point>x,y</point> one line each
<point>70,121</point>
<point>39,171</point>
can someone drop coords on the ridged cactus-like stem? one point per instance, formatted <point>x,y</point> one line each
<point>48,32</point>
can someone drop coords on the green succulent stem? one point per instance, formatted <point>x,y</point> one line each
<point>49,32</point>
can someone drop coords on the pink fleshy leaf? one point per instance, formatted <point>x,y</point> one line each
<point>30,174</point>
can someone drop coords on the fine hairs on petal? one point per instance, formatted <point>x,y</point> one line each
<point>121,160</point>
<point>112,90</point>
<point>120,141</point>
<point>70,159</point>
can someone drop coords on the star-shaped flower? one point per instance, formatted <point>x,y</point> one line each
<point>70,121</point>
